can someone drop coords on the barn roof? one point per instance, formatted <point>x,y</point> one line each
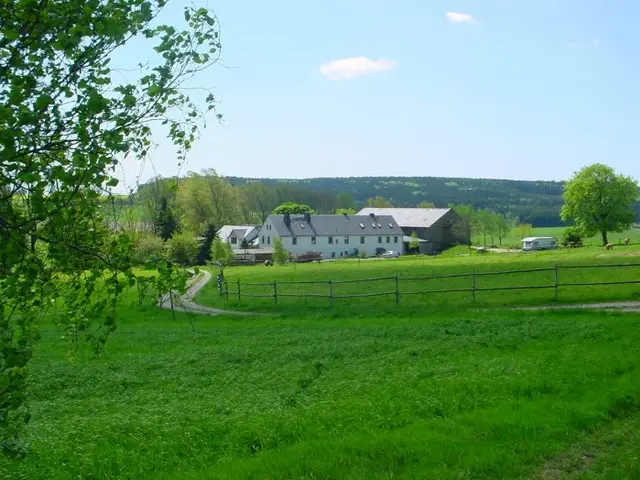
<point>410,217</point>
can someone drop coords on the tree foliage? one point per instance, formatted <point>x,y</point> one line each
<point>204,250</point>
<point>280,255</point>
<point>465,226</point>
<point>221,251</point>
<point>378,202</point>
<point>292,208</point>
<point>64,126</point>
<point>598,200</point>
<point>205,198</point>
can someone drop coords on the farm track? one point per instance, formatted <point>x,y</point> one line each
<point>185,303</point>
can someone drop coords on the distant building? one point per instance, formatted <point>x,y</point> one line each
<point>236,234</point>
<point>433,226</point>
<point>334,236</point>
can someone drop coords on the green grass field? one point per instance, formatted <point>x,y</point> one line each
<point>473,395</point>
<point>258,280</point>
<point>514,239</point>
<point>367,390</point>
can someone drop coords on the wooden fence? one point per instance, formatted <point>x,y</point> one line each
<point>239,288</point>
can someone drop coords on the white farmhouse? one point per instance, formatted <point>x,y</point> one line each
<point>334,236</point>
<point>236,234</point>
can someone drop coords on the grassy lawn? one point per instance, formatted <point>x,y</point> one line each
<point>466,395</point>
<point>258,280</point>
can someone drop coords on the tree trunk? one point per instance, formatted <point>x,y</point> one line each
<point>604,238</point>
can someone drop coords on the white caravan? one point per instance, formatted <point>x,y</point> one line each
<point>539,243</point>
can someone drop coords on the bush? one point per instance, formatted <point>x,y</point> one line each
<point>572,236</point>
<point>182,249</point>
<point>147,246</point>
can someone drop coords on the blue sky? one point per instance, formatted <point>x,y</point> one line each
<point>492,88</point>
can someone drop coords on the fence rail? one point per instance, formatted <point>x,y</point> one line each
<point>240,287</point>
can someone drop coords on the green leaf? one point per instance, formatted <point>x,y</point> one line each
<point>43,102</point>
<point>113,182</point>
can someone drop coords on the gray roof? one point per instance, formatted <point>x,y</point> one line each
<point>410,217</point>
<point>241,232</point>
<point>324,225</point>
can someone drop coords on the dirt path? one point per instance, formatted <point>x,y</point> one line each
<point>605,306</point>
<point>185,303</point>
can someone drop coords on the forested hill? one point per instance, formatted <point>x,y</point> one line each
<point>536,202</point>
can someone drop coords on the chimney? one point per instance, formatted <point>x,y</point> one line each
<point>372,215</point>
<point>287,219</point>
<point>307,217</point>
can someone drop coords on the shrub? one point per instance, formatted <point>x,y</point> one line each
<point>182,249</point>
<point>147,246</point>
<point>572,236</point>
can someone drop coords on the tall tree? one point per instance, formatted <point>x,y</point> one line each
<point>465,226</point>
<point>206,198</point>
<point>64,125</point>
<point>165,223</point>
<point>598,200</point>
<point>426,204</point>
<point>378,202</point>
<point>292,208</point>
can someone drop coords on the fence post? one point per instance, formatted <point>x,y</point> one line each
<point>330,293</point>
<point>275,292</point>
<point>238,292</point>
<point>473,284</point>
<point>397,290</point>
<point>555,281</point>
<point>226,290</point>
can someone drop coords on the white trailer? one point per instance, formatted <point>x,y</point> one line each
<point>539,243</point>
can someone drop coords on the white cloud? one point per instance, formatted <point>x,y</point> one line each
<point>352,67</point>
<point>457,17</point>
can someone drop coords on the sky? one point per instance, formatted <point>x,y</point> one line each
<point>513,89</point>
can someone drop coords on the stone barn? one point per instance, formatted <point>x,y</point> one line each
<point>433,226</point>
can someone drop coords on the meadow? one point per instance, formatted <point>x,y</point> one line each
<point>515,237</point>
<point>362,391</point>
<point>473,395</point>
<point>437,283</point>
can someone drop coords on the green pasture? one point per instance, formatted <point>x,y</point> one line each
<point>500,394</point>
<point>514,239</point>
<point>422,282</point>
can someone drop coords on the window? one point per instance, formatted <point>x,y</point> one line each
<point>379,226</point>
<point>313,240</point>
<point>388,239</point>
<point>294,240</point>
<point>373,225</point>
<point>269,240</point>
<point>395,239</point>
<point>379,239</point>
<point>234,240</point>
<point>330,240</point>
<point>346,240</point>
<point>361,240</point>
<point>262,239</point>
<point>391,225</point>
<point>362,225</point>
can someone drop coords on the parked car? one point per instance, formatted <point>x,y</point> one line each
<point>390,254</point>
